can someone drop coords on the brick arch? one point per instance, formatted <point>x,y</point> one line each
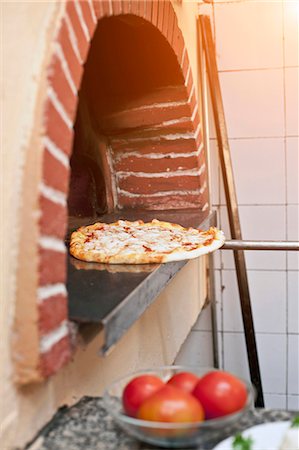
<point>76,29</point>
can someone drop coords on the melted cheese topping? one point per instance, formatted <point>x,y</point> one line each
<point>145,238</point>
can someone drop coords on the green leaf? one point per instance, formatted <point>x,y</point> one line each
<point>242,443</point>
<point>295,422</point>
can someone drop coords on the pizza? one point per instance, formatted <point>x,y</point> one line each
<point>125,242</point>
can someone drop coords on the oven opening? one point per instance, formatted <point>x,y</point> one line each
<point>130,63</point>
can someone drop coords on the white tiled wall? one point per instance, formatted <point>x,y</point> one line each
<point>257,55</point>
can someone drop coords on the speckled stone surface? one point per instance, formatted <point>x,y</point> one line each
<point>87,426</point>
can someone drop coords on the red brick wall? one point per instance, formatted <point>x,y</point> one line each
<point>168,164</point>
<point>157,161</point>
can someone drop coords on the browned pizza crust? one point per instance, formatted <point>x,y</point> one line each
<point>113,268</point>
<point>125,242</point>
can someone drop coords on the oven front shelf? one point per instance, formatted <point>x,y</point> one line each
<point>113,297</point>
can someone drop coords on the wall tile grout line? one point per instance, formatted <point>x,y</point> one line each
<point>286,197</point>
<point>247,138</point>
<point>256,69</point>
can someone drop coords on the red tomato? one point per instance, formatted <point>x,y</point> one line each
<point>138,390</point>
<point>220,393</point>
<point>184,380</point>
<point>171,404</point>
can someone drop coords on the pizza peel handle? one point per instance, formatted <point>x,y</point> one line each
<point>260,245</point>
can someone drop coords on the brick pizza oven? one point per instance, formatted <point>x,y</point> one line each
<point>121,130</point>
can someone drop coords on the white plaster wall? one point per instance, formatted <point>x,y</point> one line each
<point>257,56</point>
<point>25,26</point>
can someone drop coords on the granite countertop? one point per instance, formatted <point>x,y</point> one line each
<point>87,426</point>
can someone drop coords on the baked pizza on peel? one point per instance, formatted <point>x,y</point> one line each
<point>125,242</point>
